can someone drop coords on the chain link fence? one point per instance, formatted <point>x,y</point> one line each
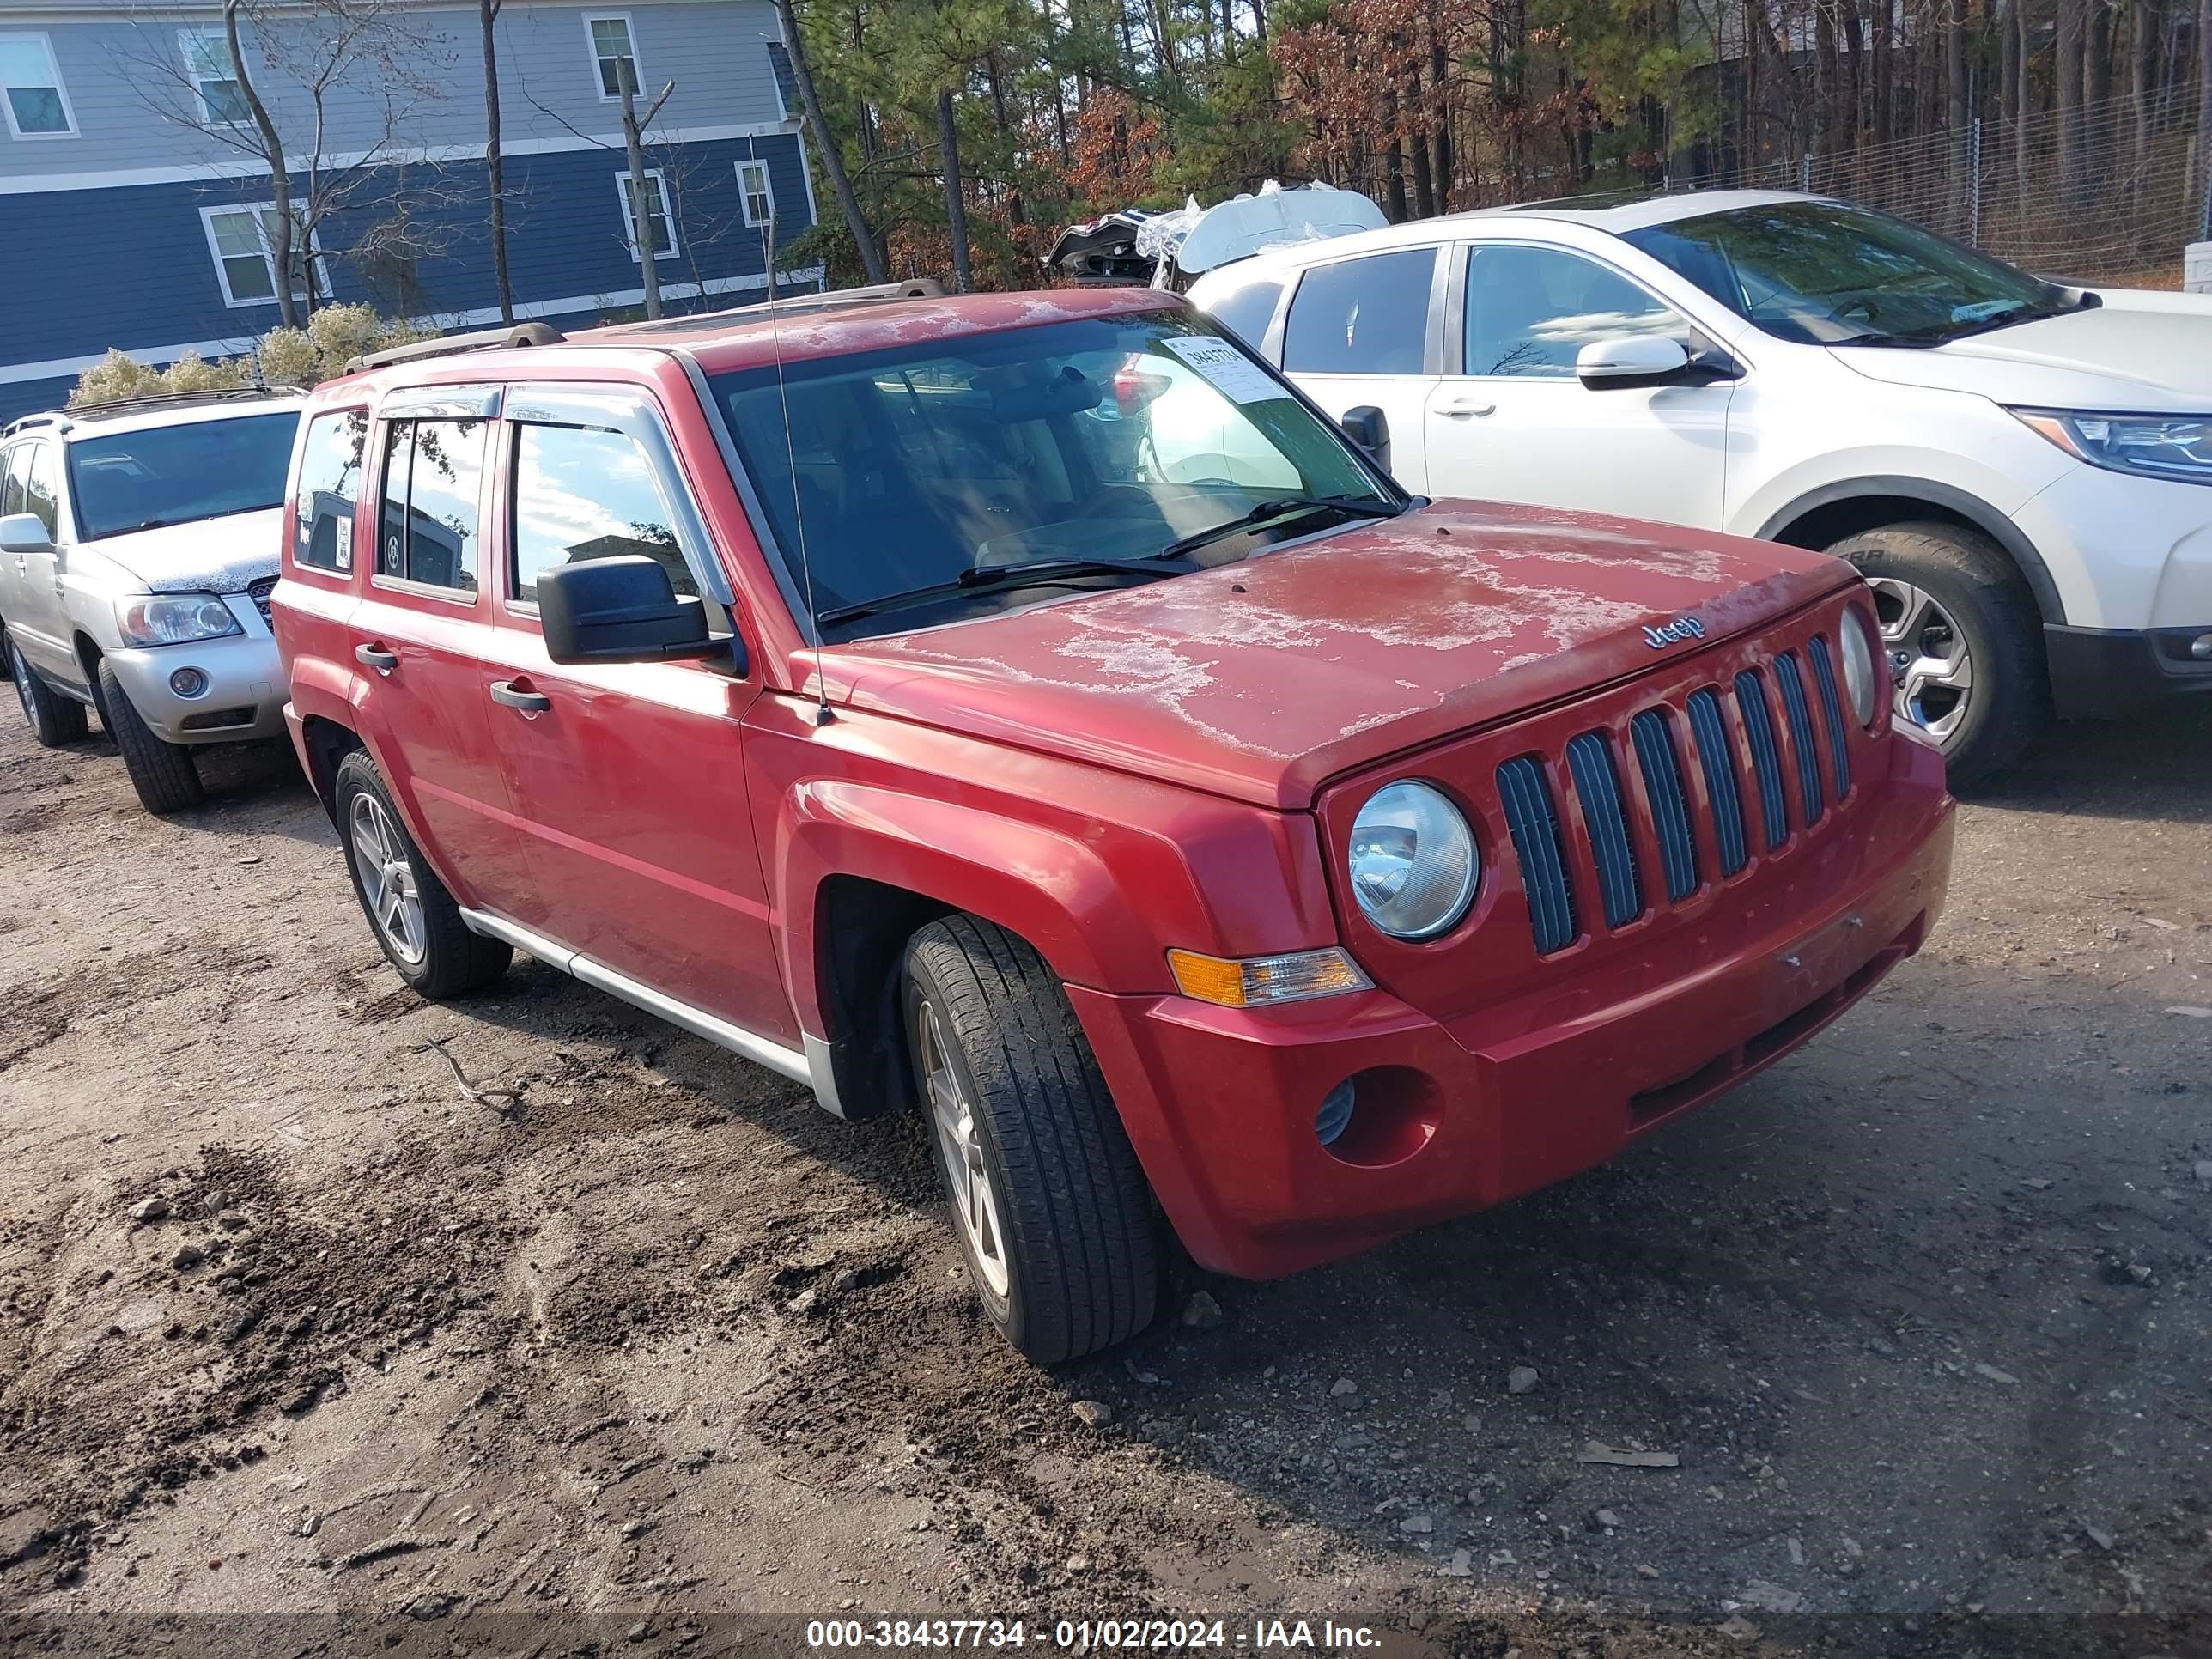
<point>2113,193</point>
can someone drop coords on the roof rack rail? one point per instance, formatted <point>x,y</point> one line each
<point>446,345</point>
<point>914,288</point>
<point>138,402</point>
<point>25,422</point>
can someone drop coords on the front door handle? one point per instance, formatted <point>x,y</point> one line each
<point>508,695</point>
<point>1463,409</point>
<point>376,657</point>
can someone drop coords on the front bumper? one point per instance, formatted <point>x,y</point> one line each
<point>1220,1103</point>
<point>246,689</point>
<point>2102,673</point>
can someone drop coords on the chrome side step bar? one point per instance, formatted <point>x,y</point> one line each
<point>750,1045</point>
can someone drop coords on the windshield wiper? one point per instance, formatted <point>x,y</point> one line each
<point>1034,573</point>
<point>1358,507</point>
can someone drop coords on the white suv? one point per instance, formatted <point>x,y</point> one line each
<point>138,548</point>
<point>2018,468</point>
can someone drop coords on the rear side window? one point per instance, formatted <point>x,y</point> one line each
<point>1361,316</point>
<point>432,483</point>
<point>328,488</point>
<point>1247,313</point>
<point>13,463</point>
<point>583,494</point>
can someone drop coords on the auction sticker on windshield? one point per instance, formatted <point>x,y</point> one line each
<point>1235,374</point>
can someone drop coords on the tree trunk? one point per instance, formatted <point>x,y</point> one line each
<point>956,206</point>
<point>1014,212</point>
<point>833,158</point>
<point>1260,19</point>
<point>280,176</point>
<point>495,176</point>
<point>1440,142</point>
<point>1425,189</point>
<point>640,212</point>
<point>2204,117</point>
<point>1956,115</point>
<point>2067,102</point>
<point>2025,45</point>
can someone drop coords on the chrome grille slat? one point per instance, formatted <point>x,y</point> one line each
<point>1765,756</point>
<point>1711,735</point>
<point>1831,710</point>
<point>1670,805</point>
<point>1597,786</point>
<point>1801,736</point>
<point>1535,829</point>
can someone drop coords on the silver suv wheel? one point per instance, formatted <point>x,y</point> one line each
<point>1929,668</point>
<point>387,880</point>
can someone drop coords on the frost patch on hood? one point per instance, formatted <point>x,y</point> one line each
<point>205,556</point>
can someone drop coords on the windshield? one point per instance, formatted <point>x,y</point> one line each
<point>1819,274</point>
<point>1106,442</point>
<point>168,475</point>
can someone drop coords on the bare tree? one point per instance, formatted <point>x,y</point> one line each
<point>956,203</point>
<point>278,111</point>
<point>641,210</point>
<point>495,174</point>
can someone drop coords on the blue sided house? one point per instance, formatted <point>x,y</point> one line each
<point>138,196</point>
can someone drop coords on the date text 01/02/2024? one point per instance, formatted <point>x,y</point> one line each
<point>1092,1635</point>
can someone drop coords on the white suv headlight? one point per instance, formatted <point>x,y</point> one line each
<point>1858,664</point>
<point>174,619</point>
<point>2179,448</point>
<point>1413,863</point>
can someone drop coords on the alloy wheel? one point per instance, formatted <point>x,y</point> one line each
<point>387,879</point>
<point>959,1145</point>
<point>1930,671</point>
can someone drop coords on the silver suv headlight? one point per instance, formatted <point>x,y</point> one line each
<point>1858,664</point>
<point>2179,448</point>
<point>174,619</point>
<point>1413,863</point>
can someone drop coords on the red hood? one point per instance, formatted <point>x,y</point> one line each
<point>1262,679</point>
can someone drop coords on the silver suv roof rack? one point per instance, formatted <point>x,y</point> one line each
<point>446,345</point>
<point>875,293</point>
<point>138,402</point>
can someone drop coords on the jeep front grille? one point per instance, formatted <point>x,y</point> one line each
<point>1738,761</point>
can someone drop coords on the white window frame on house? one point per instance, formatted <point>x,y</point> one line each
<point>194,39</point>
<point>746,191</point>
<point>592,41</point>
<point>45,44</point>
<point>226,209</point>
<point>660,183</point>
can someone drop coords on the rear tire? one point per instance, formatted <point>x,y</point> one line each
<point>54,719</point>
<point>416,922</point>
<point>1946,594</point>
<point>1065,1259</point>
<point>163,774</point>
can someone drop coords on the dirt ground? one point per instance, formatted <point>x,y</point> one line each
<point>334,1322</point>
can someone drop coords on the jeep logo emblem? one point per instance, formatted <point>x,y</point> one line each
<point>1666,634</point>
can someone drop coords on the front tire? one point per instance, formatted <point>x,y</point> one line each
<point>414,919</point>
<point>163,774</point>
<point>54,719</point>
<point>1047,1197</point>
<point>1962,639</point>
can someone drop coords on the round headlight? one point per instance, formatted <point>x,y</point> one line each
<point>1414,864</point>
<point>1858,665</point>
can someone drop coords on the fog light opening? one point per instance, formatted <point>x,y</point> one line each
<point>189,683</point>
<point>1380,1116</point>
<point>1335,1117</point>
<point>2201,647</point>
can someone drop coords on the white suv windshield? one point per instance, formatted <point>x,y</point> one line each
<point>1102,442</point>
<point>167,474</point>
<point>1819,274</point>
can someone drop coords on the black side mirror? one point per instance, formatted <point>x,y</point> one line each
<point>620,610</point>
<point>1367,427</point>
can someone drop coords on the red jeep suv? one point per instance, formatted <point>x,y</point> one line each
<point>1030,707</point>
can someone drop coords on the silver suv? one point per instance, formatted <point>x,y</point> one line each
<point>138,548</point>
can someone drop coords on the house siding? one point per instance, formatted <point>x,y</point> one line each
<point>109,247</point>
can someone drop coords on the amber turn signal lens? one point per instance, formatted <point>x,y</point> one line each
<point>1257,980</point>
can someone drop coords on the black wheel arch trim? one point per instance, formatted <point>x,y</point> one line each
<point>1971,507</point>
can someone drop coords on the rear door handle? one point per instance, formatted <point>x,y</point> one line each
<point>1461,409</point>
<point>504,693</point>
<point>376,657</point>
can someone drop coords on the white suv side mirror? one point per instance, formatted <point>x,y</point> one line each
<point>22,532</point>
<point>1631,360</point>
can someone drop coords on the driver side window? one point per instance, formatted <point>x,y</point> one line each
<point>1530,310</point>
